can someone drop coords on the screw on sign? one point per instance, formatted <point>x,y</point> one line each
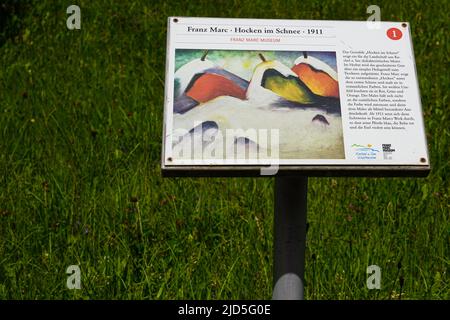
<point>394,33</point>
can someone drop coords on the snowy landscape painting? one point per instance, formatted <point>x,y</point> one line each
<point>247,92</point>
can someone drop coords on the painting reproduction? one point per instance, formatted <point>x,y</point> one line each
<point>237,104</point>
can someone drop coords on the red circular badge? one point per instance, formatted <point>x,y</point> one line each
<point>394,34</point>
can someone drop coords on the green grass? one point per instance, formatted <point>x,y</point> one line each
<point>81,121</point>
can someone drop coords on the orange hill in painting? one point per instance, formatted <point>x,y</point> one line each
<point>209,86</point>
<point>318,81</point>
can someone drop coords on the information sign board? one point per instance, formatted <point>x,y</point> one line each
<point>318,98</point>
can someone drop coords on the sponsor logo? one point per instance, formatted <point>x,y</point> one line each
<point>365,152</point>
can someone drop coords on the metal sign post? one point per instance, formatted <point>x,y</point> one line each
<point>289,237</point>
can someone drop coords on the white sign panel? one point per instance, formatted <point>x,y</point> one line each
<point>297,94</point>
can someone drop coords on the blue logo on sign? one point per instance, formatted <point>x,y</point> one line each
<point>365,152</point>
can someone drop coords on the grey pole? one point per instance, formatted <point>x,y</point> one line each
<point>289,237</point>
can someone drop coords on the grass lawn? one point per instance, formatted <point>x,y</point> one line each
<point>81,124</point>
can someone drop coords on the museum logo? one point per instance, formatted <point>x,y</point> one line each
<point>387,151</point>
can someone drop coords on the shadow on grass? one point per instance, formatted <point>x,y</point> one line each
<point>11,14</point>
